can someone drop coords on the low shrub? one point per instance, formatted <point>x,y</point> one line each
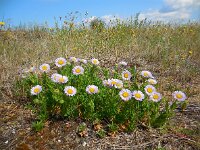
<point>79,88</point>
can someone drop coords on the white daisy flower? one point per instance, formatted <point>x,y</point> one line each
<point>125,94</point>
<point>179,95</point>
<point>152,81</point>
<point>138,95</point>
<point>62,79</point>
<point>155,96</point>
<point>77,70</point>
<point>147,74</point>
<point>119,84</point>
<point>70,90</point>
<point>113,82</point>
<point>84,61</point>
<point>149,89</point>
<point>45,68</point>
<point>123,63</point>
<point>55,77</point>
<point>106,83</point>
<point>92,89</point>
<point>32,69</point>
<point>95,61</point>
<point>73,59</point>
<point>126,75</point>
<point>60,62</point>
<point>25,71</point>
<point>36,90</point>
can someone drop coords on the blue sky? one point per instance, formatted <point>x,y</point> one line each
<point>39,11</point>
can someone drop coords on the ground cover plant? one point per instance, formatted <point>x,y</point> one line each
<point>168,51</point>
<point>94,93</point>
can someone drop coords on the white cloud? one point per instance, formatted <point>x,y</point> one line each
<point>107,19</point>
<point>182,4</point>
<point>156,15</point>
<point>88,20</point>
<point>172,10</point>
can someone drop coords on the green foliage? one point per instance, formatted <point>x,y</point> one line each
<point>38,125</point>
<point>101,133</point>
<point>113,127</point>
<point>82,127</point>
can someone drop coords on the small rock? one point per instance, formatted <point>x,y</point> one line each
<point>13,131</point>
<point>6,142</point>
<point>59,141</point>
<point>84,144</point>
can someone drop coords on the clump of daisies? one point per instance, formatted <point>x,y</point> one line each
<point>80,88</point>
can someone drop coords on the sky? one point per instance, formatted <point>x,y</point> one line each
<point>17,12</point>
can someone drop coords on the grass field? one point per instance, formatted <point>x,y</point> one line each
<point>170,51</point>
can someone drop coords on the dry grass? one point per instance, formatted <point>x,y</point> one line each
<point>175,48</point>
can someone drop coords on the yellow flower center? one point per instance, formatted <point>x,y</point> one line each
<point>60,62</point>
<point>78,70</point>
<point>44,68</point>
<point>95,61</point>
<point>179,96</point>
<point>151,81</point>
<point>92,90</point>
<point>155,96</point>
<point>55,77</point>
<point>2,23</point>
<point>125,94</point>
<point>137,95</point>
<point>70,91</point>
<point>36,90</point>
<point>149,90</point>
<point>73,59</point>
<point>119,85</point>
<point>146,74</point>
<point>126,75</point>
<point>61,79</point>
<point>113,82</point>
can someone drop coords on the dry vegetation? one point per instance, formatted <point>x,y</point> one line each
<point>171,52</point>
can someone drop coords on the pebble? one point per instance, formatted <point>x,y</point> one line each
<point>84,144</point>
<point>13,131</point>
